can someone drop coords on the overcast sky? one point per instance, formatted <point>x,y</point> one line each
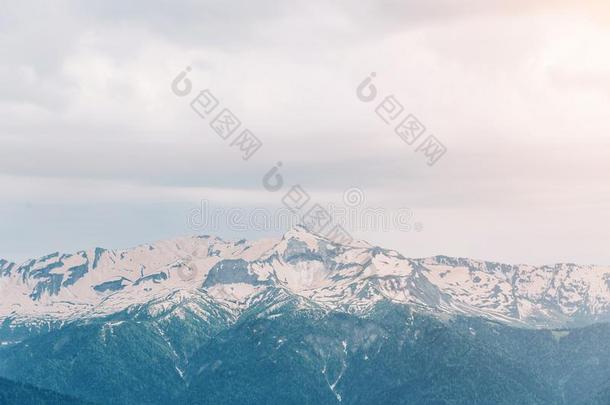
<point>96,150</point>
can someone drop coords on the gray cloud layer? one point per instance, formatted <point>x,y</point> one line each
<point>517,91</point>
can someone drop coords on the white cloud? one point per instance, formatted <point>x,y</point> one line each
<point>518,92</point>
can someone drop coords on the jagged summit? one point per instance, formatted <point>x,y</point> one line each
<point>314,269</point>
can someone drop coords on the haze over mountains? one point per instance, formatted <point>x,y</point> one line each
<point>302,319</point>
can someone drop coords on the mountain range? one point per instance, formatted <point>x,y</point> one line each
<point>302,319</point>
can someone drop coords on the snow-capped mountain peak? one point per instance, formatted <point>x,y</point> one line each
<point>321,272</point>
